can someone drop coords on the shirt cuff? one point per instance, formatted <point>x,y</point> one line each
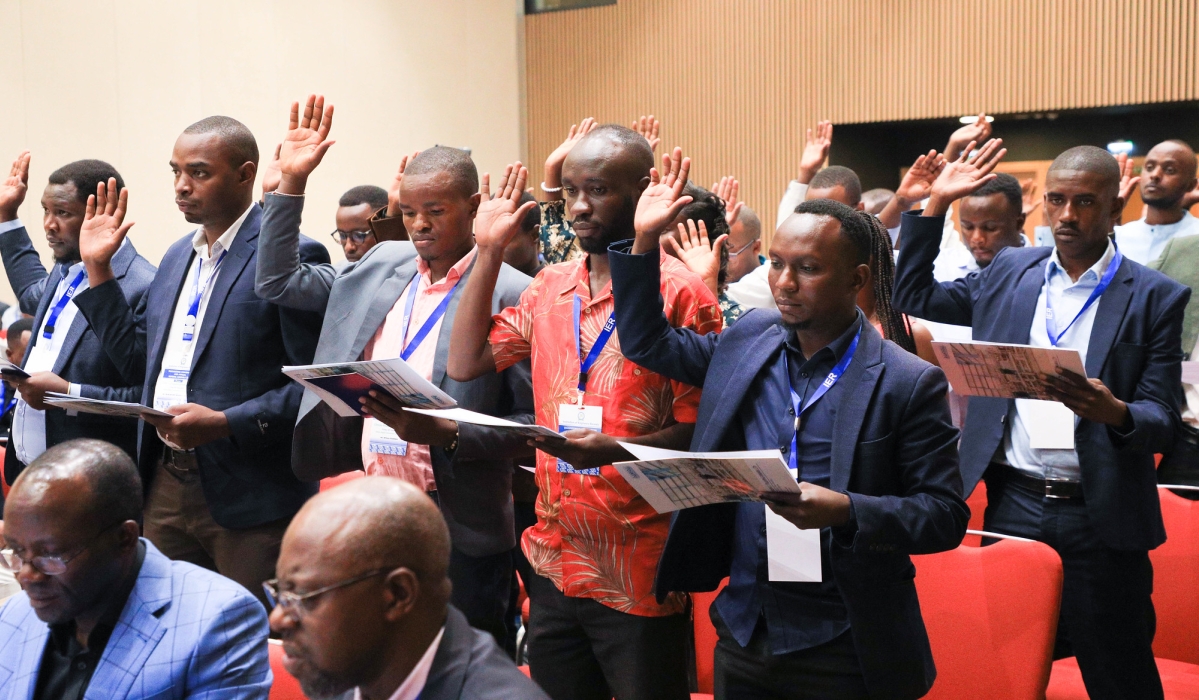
<point>74,389</point>
<point>284,194</point>
<point>7,226</point>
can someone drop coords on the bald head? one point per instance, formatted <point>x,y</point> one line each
<point>101,481</point>
<point>602,178</point>
<point>1090,159</point>
<point>454,162</point>
<point>239,143</point>
<point>620,143</point>
<point>1167,174</point>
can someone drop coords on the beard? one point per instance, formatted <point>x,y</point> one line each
<point>1162,202</point>
<point>620,229</point>
<point>799,326</point>
<point>319,686</point>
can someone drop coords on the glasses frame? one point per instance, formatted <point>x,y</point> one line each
<point>359,237</point>
<point>15,562</point>
<point>742,249</point>
<point>296,603</point>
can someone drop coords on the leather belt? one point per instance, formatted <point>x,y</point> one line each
<point>1049,488</point>
<point>179,463</point>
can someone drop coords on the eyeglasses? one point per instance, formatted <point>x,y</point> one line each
<point>50,564</point>
<point>359,237</point>
<point>297,603</point>
<point>735,253</point>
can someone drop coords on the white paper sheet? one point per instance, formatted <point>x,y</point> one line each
<point>671,480</point>
<point>1003,370</point>
<point>462,415</point>
<point>341,384</point>
<point>1050,424</point>
<point>1190,372</point>
<point>791,554</point>
<point>103,408</point>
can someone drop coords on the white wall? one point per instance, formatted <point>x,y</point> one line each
<point>120,79</point>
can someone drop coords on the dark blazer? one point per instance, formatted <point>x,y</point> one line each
<point>247,477</point>
<point>474,484</point>
<point>895,455</point>
<point>1134,349</point>
<point>83,359</point>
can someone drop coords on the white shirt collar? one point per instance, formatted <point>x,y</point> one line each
<point>200,243</point>
<point>1093,274</point>
<point>412,686</point>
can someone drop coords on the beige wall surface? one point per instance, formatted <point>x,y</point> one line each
<point>119,80</point>
<point>736,82</point>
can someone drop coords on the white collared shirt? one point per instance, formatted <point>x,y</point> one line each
<point>412,686</point>
<point>179,353</point>
<point>1143,243</point>
<point>1067,298</point>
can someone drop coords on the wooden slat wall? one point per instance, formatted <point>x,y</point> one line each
<point>736,82</point>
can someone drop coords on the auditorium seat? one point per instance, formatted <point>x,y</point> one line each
<point>1176,581</point>
<point>1179,680</point>
<point>332,481</point>
<point>978,506</point>
<point>991,614</point>
<point>285,686</point>
<point>705,636</point>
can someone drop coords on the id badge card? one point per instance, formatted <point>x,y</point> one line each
<point>575,417</point>
<point>171,389</point>
<point>385,441</point>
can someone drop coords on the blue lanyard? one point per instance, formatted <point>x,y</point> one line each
<point>198,292</point>
<point>407,348</point>
<point>585,363</point>
<point>829,381</point>
<point>1097,292</point>
<point>6,403</point>
<point>48,330</point>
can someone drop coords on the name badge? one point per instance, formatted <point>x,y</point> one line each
<point>575,417</point>
<point>171,389</point>
<point>385,441</point>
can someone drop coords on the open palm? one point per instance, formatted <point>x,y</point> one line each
<point>307,138</point>
<point>918,180</point>
<point>499,218</point>
<point>104,226</point>
<point>14,187</point>
<point>968,172</point>
<point>662,201</point>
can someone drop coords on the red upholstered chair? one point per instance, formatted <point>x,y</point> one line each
<point>285,687</point>
<point>991,614</point>
<point>978,506</point>
<point>1176,581</point>
<point>705,639</point>
<point>332,481</point>
<point>3,482</point>
<point>1179,680</point>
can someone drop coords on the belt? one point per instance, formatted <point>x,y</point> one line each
<point>177,462</point>
<point>1049,488</point>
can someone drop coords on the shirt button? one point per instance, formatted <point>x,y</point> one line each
<point>567,538</point>
<point>81,665</point>
<point>566,492</point>
<point>636,372</point>
<point>587,310</point>
<point>803,374</point>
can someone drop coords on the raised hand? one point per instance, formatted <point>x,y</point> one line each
<point>964,175</point>
<point>103,230</point>
<point>306,143</point>
<point>271,174</point>
<point>14,187</point>
<point>918,180</point>
<point>553,164</point>
<point>499,219</point>
<point>1190,199</point>
<point>1128,183</point>
<point>697,253</point>
<point>662,201</point>
<point>815,151</point>
<point>393,192</point>
<point>649,127</point>
<point>728,190</point>
<point>1028,191</point>
<point>977,131</point>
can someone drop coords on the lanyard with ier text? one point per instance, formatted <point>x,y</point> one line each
<point>68,293</point>
<point>1050,321</point>
<point>198,292</point>
<point>407,348</point>
<point>829,381</point>
<point>586,363</point>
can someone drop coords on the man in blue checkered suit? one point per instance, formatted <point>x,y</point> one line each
<point>103,615</point>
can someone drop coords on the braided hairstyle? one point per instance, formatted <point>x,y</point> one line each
<point>707,207</point>
<point>882,268</point>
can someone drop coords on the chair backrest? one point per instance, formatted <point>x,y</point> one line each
<point>705,637</point>
<point>285,687</point>
<point>340,479</point>
<point>1176,581</point>
<point>991,614</point>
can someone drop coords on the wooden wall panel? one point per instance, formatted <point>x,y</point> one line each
<point>736,82</point>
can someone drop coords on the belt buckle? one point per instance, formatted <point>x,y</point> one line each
<point>1049,487</point>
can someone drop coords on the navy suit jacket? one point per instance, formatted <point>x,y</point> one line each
<point>895,455</point>
<point>83,359</point>
<point>241,345</point>
<point>1134,350</point>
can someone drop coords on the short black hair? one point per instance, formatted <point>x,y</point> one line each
<point>835,175</point>
<point>855,229</point>
<point>116,486</point>
<point>454,161</point>
<point>1090,159</point>
<point>86,175</point>
<point>532,220</point>
<point>364,194</point>
<point>243,147</point>
<point>628,140</point>
<point>1006,185</point>
<point>18,327</point>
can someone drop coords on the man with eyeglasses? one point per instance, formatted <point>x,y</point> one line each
<point>103,613</point>
<point>354,212</point>
<point>362,603</point>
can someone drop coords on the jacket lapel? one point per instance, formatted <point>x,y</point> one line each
<point>447,674</point>
<point>761,351</point>
<point>43,308</point>
<point>1024,305</point>
<point>1108,316</point>
<point>241,253</point>
<point>384,299</point>
<point>860,378</point>
<point>161,306</point>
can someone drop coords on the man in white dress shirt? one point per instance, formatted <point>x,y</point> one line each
<point>1167,175</point>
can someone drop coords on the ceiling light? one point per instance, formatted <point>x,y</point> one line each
<point>971,118</point>
<point>1117,147</point>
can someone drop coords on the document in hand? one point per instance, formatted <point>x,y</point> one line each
<point>1003,371</point>
<point>103,408</point>
<point>462,415</point>
<point>670,480</point>
<point>341,384</point>
<point>11,371</point>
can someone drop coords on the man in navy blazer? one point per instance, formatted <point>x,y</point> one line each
<point>103,614</point>
<point>220,486</point>
<point>1094,497</point>
<point>876,456</point>
<point>64,352</point>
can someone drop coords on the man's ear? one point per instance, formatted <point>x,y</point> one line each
<point>642,184</point>
<point>1020,221</point>
<point>247,172</point>
<point>1117,208</point>
<point>402,589</point>
<point>475,200</point>
<point>862,277</point>
<point>861,206</point>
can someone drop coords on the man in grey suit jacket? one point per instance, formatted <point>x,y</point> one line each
<point>467,466</point>
<point>1180,262</point>
<point>65,354</point>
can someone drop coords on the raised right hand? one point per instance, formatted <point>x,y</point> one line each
<point>662,201</point>
<point>103,230</point>
<point>393,192</point>
<point>918,180</point>
<point>499,218</point>
<point>305,145</point>
<point>14,187</point>
<point>649,127</point>
<point>964,175</point>
<point>815,151</point>
<point>1128,183</point>
<point>729,189</point>
<point>553,164</point>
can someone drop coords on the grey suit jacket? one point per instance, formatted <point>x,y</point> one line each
<point>1180,262</point>
<point>474,483</point>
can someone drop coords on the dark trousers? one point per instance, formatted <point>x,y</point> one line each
<point>1107,619</point>
<point>580,649</point>
<point>752,672</point>
<point>481,586</point>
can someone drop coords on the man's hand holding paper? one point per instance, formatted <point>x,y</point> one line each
<point>1089,399</point>
<point>813,507</point>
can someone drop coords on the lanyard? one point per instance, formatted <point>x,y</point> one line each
<point>585,363</point>
<point>6,403</point>
<point>1097,292</point>
<point>821,390</point>
<point>198,292</point>
<point>48,330</point>
<point>406,348</point>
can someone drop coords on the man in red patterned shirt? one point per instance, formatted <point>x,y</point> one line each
<point>596,630</point>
